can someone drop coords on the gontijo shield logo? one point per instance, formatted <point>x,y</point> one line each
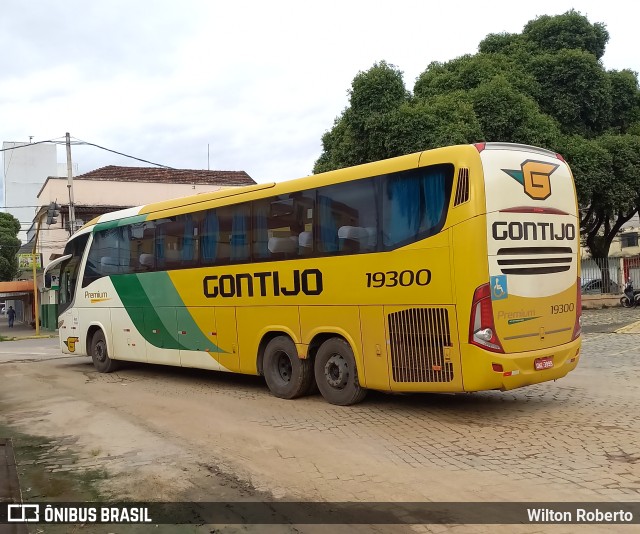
<point>535,176</point>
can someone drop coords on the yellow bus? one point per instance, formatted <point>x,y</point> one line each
<point>449,270</point>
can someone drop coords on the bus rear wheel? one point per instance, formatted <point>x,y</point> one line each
<point>287,376</point>
<point>100,355</point>
<point>336,374</point>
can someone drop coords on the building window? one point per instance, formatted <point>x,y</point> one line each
<point>629,240</point>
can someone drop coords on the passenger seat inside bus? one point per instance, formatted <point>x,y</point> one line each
<point>283,246</point>
<point>146,262</point>
<point>355,239</point>
<point>305,243</point>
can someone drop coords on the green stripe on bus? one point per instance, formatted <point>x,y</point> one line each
<point>155,295</point>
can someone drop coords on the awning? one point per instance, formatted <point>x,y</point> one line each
<point>17,288</point>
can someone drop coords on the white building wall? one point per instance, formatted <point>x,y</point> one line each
<point>25,169</point>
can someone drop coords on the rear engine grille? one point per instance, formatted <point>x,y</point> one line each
<point>418,338</point>
<point>462,191</point>
<point>534,260</point>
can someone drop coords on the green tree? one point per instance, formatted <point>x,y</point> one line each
<point>9,246</point>
<point>544,86</point>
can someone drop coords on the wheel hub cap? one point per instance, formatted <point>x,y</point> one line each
<point>336,371</point>
<point>284,367</point>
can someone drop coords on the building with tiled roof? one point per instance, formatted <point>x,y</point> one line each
<point>167,175</point>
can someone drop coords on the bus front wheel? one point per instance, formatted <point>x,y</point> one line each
<point>336,375</point>
<point>100,355</point>
<point>287,376</point>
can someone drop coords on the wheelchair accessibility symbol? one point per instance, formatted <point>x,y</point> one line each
<point>499,287</point>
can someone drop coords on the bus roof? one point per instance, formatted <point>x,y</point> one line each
<point>182,205</point>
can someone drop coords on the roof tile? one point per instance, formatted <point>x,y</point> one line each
<point>177,176</point>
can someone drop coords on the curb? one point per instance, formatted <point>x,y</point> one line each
<point>20,338</point>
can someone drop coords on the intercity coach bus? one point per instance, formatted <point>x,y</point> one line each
<point>449,270</point>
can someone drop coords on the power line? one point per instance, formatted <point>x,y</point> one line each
<point>28,144</point>
<point>81,142</point>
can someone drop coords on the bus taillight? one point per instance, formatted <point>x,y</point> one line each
<point>577,328</point>
<point>480,146</point>
<point>482,331</point>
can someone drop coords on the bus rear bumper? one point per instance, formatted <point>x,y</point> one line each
<point>483,370</point>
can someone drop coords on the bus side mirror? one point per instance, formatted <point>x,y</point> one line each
<point>47,281</point>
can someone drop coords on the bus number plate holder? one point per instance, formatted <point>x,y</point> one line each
<point>543,363</point>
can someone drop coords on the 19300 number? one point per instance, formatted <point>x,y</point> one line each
<point>562,308</point>
<point>402,278</point>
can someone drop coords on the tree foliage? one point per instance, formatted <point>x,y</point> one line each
<point>9,246</point>
<point>545,86</point>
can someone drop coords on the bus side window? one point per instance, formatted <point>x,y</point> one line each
<point>283,226</point>
<point>225,235</point>
<point>109,254</point>
<point>414,204</point>
<point>348,217</point>
<point>175,242</point>
<point>141,238</point>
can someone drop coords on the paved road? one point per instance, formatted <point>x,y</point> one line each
<point>169,433</point>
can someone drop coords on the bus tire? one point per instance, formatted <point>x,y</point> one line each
<point>336,373</point>
<point>287,375</point>
<point>100,355</point>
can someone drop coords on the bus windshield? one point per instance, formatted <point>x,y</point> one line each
<point>69,271</point>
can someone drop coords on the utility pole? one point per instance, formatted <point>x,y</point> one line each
<point>34,256</point>
<point>72,210</point>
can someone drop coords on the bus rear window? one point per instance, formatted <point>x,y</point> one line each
<point>414,204</point>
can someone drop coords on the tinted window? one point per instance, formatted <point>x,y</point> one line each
<point>283,226</point>
<point>414,204</point>
<point>176,241</point>
<point>110,253</point>
<point>226,235</point>
<point>347,218</point>
<point>69,271</point>
<point>142,248</point>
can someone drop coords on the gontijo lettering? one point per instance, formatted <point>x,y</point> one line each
<point>271,283</point>
<point>518,231</point>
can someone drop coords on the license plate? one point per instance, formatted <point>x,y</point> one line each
<point>543,363</point>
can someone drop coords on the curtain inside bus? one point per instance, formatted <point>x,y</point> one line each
<point>188,240</point>
<point>413,205</point>
<point>261,230</point>
<point>210,236</point>
<point>239,238</point>
<point>328,228</point>
<point>160,238</point>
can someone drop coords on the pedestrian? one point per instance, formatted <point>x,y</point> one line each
<point>11,315</point>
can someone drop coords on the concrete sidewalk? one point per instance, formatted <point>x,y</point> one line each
<point>21,330</point>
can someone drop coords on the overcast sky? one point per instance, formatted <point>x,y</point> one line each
<point>258,82</point>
